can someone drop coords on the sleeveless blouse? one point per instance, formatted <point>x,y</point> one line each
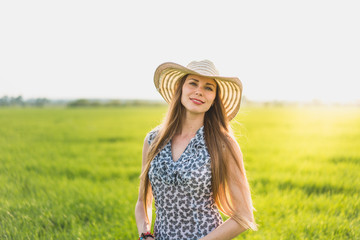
<point>184,204</point>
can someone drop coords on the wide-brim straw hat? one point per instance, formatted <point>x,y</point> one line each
<point>167,74</point>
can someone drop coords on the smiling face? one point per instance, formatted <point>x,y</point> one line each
<point>198,94</point>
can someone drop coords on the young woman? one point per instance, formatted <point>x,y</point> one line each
<point>192,165</point>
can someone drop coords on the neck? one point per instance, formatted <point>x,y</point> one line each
<point>191,123</point>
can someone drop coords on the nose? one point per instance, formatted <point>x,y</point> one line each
<point>198,92</point>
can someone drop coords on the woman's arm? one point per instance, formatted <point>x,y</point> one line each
<point>231,228</point>
<point>142,224</point>
<point>228,230</point>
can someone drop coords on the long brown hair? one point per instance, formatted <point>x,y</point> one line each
<point>226,166</point>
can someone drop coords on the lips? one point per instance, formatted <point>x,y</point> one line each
<point>196,101</point>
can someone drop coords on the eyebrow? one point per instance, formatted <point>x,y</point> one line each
<point>205,84</point>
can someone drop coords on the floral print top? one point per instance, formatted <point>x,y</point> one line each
<point>185,208</point>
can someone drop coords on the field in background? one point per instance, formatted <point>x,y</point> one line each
<point>73,173</point>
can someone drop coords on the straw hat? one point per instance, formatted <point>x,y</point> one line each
<point>167,74</point>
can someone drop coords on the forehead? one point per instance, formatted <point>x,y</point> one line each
<point>201,79</point>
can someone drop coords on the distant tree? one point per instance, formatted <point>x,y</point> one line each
<point>40,102</point>
<point>4,101</point>
<point>114,103</point>
<point>20,101</point>
<point>12,101</point>
<point>79,103</point>
<point>95,104</point>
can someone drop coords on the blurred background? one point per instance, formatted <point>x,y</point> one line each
<point>282,51</point>
<point>77,99</point>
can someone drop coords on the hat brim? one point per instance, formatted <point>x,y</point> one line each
<point>167,74</point>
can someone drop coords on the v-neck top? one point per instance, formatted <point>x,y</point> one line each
<point>185,208</point>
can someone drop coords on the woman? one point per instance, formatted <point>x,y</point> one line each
<point>192,165</point>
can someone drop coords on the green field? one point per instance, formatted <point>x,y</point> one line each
<point>73,173</point>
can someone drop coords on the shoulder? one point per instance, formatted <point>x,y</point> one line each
<point>234,145</point>
<point>150,136</point>
<point>233,142</point>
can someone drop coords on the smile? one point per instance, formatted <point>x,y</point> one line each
<point>196,101</point>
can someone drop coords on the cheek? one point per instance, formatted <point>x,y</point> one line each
<point>211,97</point>
<point>185,92</point>
<point>183,96</point>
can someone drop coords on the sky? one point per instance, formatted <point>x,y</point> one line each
<point>280,50</point>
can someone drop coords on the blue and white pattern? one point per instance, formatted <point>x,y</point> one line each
<point>185,208</point>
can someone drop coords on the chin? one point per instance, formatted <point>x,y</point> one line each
<point>197,110</point>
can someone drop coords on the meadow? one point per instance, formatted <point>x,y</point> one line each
<point>72,173</point>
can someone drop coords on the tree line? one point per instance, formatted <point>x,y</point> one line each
<point>112,103</point>
<point>7,101</point>
<point>19,101</point>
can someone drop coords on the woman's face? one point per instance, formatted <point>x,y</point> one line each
<point>198,93</point>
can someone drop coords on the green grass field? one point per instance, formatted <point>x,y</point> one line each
<point>73,173</point>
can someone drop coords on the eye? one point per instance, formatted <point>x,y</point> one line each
<point>193,83</point>
<point>209,88</point>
